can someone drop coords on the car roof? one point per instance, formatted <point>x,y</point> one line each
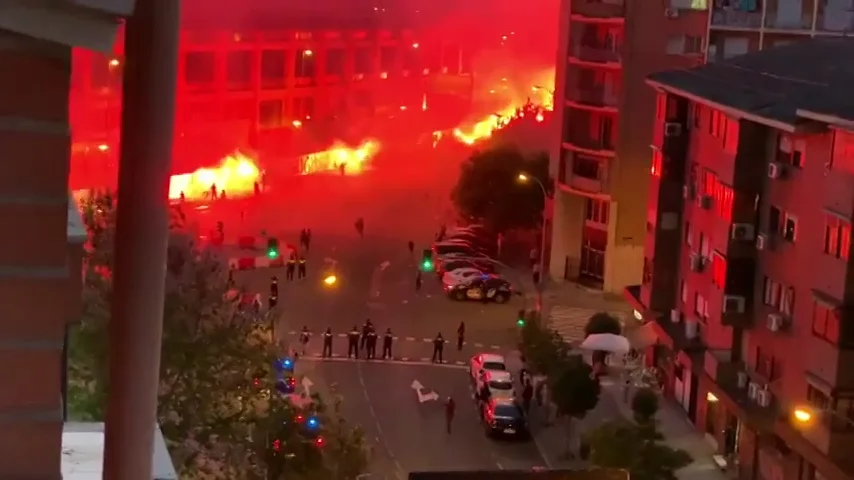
<point>491,357</point>
<point>499,376</point>
<point>504,401</point>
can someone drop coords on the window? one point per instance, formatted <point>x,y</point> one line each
<point>775,220</point>
<point>388,58</point>
<point>771,292</point>
<point>717,123</point>
<point>705,248</point>
<point>411,58</point>
<point>791,151</point>
<point>709,181</point>
<point>597,211</point>
<point>689,4</point>
<point>825,322</point>
<point>723,197</point>
<point>362,64</point>
<point>273,70</point>
<point>790,228</point>
<point>718,270</point>
<point>270,114</point>
<point>731,136</point>
<point>837,237</point>
<point>657,159</point>
<point>242,109</point>
<point>698,115</point>
<point>843,151</point>
<point>199,68</point>
<point>239,69</point>
<point>701,307</point>
<point>837,410</point>
<point>335,60</point>
<point>767,366</point>
<point>304,64</point>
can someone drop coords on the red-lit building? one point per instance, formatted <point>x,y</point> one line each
<point>280,87</point>
<point>747,256</point>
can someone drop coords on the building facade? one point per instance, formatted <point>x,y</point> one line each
<point>747,257</point>
<point>606,49</point>
<point>278,93</point>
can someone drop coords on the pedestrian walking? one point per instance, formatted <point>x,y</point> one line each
<point>353,343</point>
<point>461,336</point>
<point>291,267</point>
<point>327,343</point>
<point>371,344</point>
<point>450,409</point>
<point>301,268</point>
<point>418,280</point>
<point>527,394</point>
<point>304,336</point>
<point>274,286</point>
<point>438,347</point>
<point>388,338</point>
<point>366,327</point>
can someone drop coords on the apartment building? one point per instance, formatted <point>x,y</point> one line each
<point>606,48</point>
<point>747,257</point>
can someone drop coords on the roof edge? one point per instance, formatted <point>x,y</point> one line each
<point>729,110</point>
<point>828,118</point>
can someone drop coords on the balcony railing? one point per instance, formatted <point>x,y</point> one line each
<point>777,22</point>
<point>600,97</point>
<point>581,140</point>
<point>599,8</point>
<point>583,172</point>
<point>595,53</point>
<point>725,17</point>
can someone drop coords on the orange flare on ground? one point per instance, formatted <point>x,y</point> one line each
<point>236,175</point>
<point>354,160</point>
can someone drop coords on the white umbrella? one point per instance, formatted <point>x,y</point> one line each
<point>606,342</point>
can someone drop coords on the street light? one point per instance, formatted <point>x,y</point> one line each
<point>802,415</point>
<point>525,178</point>
<point>330,280</point>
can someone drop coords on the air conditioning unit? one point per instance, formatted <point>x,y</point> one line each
<point>753,390</point>
<point>688,192</point>
<point>776,170</point>
<point>733,304</point>
<point>762,242</point>
<point>675,316</point>
<point>742,379</point>
<point>706,202</point>
<point>672,129</point>
<point>742,232</point>
<point>763,397</point>
<point>696,262</point>
<point>671,13</point>
<point>692,329</point>
<point>776,322</point>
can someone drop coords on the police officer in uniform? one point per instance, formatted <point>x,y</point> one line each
<point>274,286</point>
<point>301,267</point>
<point>327,343</point>
<point>388,337</point>
<point>272,302</point>
<point>371,343</point>
<point>292,265</point>
<point>353,343</point>
<point>367,327</point>
<point>461,335</point>
<point>438,347</point>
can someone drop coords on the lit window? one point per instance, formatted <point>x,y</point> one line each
<point>657,166</point>
<point>837,237</point>
<point>825,323</point>
<point>718,270</point>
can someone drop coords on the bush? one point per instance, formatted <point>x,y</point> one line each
<point>603,322</point>
<point>645,405</point>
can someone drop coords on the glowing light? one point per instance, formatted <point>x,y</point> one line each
<point>114,63</point>
<point>424,103</point>
<point>296,124</point>
<point>307,53</point>
<point>354,160</point>
<point>330,280</point>
<point>403,108</point>
<point>711,398</point>
<point>237,175</point>
<point>540,117</point>
<point>103,147</point>
<point>522,177</point>
<point>384,75</point>
<point>415,45</point>
<point>802,415</point>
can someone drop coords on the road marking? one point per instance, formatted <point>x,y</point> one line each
<point>379,440</point>
<point>427,339</point>
<point>498,464</point>
<point>411,339</point>
<point>459,363</point>
<point>495,347</point>
<point>425,359</point>
<point>341,335</point>
<point>421,363</point>
<point>478,345</point>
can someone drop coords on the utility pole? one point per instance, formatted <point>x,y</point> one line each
<point>136,325</point>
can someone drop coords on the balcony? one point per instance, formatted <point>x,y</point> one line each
<point>584,173</point>
<point>736,19</point>
<point>581,140</point>
<point>598,10</point>
<point>597,97</point>
<point>595,54</point>
<point>774,21</point>
<point>730,380</point>
<point>829,363</point>
<point>83,453</point>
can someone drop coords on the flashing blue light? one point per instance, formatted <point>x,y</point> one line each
<point>312,423</point>
<point>287,363</point>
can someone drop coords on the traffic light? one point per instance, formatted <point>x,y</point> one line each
<point>520,319</point>
<point>427,260</point>
<point>273,248</point>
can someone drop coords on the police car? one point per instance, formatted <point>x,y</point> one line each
<point>491,288</point>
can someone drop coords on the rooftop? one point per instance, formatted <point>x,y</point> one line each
<point>787,85</point>
<point>83,453</point>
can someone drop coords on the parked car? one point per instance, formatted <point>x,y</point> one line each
<point>492,289</point>
<point>451,263</point>
<point>504,417</point>
<point>498,383</point>
<point>460,275</point>
<point>486,362</point>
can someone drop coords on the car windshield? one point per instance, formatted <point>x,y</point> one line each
<point>508,411</point>
<point>496,385</point>
<point>494,366</point>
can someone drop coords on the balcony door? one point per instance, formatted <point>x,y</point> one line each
<point>594,243</point>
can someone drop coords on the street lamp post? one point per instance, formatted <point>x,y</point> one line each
<point>542,258</point>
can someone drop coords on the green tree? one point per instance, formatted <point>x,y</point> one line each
<point>574,390</point>
<point>545,350</point>
<point>488,188</point>
<point>636,448</point>
<point>644,406</point>
<point>603,322</point>
<point>209,403</point>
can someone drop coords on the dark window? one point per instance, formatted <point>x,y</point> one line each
<point>775,220</point>
<point>273,71</point>
<point>303,108</point>
<point>304,64</point>
<point>494,366</point>
<point>270,113</point>
<point>388,57</point>
<point>363,61</point>
<point>335,61</point>
<point>199,68</point>
<point>239,69</point>
<point>509,411</point>
<point>239,109</point>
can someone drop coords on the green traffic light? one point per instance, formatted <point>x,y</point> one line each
<point>427,265</point>
<point>272,254</point>
<point>520,322</point>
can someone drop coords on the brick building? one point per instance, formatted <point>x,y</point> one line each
<point>747,264</point>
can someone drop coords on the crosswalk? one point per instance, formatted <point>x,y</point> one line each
<point>569,322</point>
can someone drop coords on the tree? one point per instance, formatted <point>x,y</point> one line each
<point>216,365</point>
<point>574,390</point>
<point>603,322</point>
<point>544,349</point>
<point>488,188</point>
<point>636,448</point>
<point>644,405</point>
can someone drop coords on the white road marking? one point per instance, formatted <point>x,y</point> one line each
<point>495,347</point>
<point>427,339</point>
<point>478,345</point>
<point>425,359</point>
<point>500,467</point>
<point>411,339</point>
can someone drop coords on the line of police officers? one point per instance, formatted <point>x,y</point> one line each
<point>366,341</point>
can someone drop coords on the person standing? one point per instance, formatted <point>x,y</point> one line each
<point>461,336</point>
<point>327,343</point>
<point>438,347</point>
<point>353,343</point>
<point>418,280</point>
<point>536,273</point>
<point>304,336</point>
<point>527,395</point>
<point>388,338</point>
<point>301,268</point>
<point>367,327</point>
<point>292,265</point>
<point>371,343</point>
<point>274,286</point>
<point>450,409</point>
